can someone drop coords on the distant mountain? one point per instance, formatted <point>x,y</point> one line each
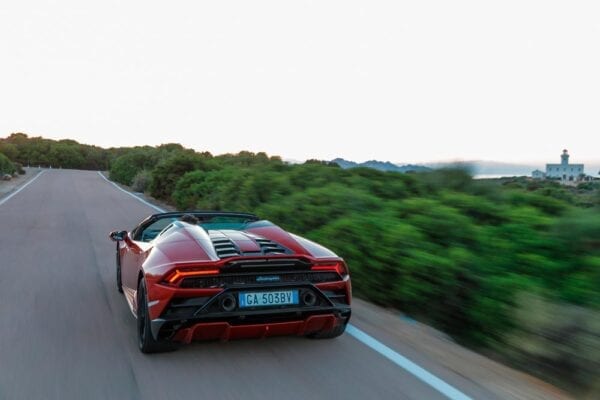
<point>381,166</point>
<point>345,163</point>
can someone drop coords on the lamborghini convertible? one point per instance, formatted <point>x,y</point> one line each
<point>219,276</point>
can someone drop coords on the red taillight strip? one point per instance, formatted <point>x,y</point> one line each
<point>337,267</point>
<point>325,267</point>
<point>182,274</point>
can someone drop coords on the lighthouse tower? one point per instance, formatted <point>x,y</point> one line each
<point>564,171</point>
<point>564,157</point>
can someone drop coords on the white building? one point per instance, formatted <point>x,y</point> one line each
<point>537,174</point>
<point>565,171</point>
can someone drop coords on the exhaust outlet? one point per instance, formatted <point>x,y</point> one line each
<point>228,303</point>
<point>309,298</point>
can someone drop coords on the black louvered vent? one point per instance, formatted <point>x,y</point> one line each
<point>224,247</point>
<point>270,247</point>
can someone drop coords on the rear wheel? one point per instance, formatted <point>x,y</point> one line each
<point>335,332</point>
<point>146,341</point>
<point>119,282</point>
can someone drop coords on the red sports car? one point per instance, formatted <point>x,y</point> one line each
<point>220,275</point>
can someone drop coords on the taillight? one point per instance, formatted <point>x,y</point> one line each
<point>338,267</point>
<point>178,274</point>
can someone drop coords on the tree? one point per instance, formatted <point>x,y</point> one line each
<point>6,166</point>
<point>9,150</point>
<point>168,171</point>
<point>125,167</point>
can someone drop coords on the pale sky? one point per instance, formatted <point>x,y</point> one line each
<point>404,81</point>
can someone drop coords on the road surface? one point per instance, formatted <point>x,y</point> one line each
<point>66,333</point>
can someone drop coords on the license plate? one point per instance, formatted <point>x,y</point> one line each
<point>261,299</point>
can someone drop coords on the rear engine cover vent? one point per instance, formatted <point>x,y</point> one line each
<point>224,247</point>
<point>270,247</point>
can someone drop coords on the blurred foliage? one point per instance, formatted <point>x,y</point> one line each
<point>6,166</point>
<point>455,252</point>
<point>447,249</point>
<point>19,168</point>
<point>557,338</point>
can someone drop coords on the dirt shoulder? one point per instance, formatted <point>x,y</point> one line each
<point>434,350</point>
<point>7,187</point>
<point>142,196</point>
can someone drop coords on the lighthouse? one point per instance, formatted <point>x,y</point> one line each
<point>564,171</point>
<point>564,157</point>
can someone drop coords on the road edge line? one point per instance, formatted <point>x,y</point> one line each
<point>11,195</point>
<point>130,194</point>
<point>418,372</point>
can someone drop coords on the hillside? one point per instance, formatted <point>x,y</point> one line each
<point>380,166</point>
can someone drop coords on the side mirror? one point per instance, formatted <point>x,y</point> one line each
<point>117,236</point>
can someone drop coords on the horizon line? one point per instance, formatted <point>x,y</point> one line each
<point>456,160</point>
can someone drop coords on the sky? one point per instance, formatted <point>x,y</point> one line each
<point>405,81</point>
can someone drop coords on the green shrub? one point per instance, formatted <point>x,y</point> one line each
<point>168,171</point>
<point>6,166</point>
<point>141,181</point>
<point>127,166</point>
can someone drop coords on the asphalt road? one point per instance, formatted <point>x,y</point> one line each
<point>66,333</point>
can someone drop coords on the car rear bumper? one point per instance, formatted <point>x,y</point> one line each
<point>282,323</point>
<point>224,331</point>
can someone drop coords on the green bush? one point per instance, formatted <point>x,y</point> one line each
<point>6,166</point>
<point>168,171</point>
<point>124,168</point>
<point>141,181</point>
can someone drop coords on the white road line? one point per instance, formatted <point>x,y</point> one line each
<point>420,373</point>
<point>4,200</point>
<point>404,363</point>
<point>131,194</point>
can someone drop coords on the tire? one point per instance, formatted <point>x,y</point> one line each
<point>119,281</point>
<point>332,334</point>
<point>146,342</point>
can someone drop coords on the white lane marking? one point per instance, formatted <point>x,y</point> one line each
<point>404,363</point>
<point>4,200</point>
<point>131,194</point>
<point>374,344</point>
